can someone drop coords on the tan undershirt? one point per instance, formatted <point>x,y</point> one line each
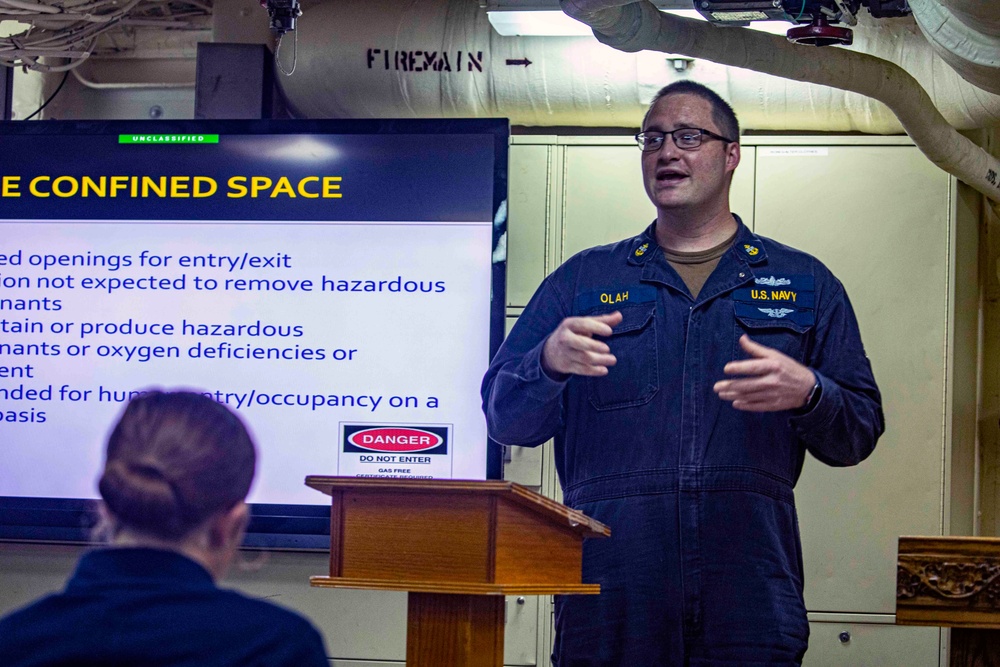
<point>694,268</point>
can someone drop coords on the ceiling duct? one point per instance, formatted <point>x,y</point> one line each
<point>966,34</point>
<point>440,58</point>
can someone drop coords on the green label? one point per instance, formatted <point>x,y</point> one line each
<point>168,138</point>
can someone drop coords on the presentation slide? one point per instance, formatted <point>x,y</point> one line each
<point>335,290</point>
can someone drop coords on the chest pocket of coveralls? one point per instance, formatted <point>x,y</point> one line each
<point>634,378</point>
<point>785,336</point>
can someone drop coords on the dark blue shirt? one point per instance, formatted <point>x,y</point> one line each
<point>151,608</point>
<point>704,562</point>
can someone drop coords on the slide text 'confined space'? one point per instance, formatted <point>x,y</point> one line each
<point>170,187</point>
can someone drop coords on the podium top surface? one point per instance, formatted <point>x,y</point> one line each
<point>557,513</point>
<point>949,544</point>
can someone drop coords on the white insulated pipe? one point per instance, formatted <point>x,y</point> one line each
<point>392,59</point>
<point>982,14</point>
<point>966,35</point>
<point>631,25</point>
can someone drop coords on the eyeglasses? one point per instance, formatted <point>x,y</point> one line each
<point>685,138</point>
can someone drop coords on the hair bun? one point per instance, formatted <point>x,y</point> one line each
<point>173,460</point>
<point>139,493</point>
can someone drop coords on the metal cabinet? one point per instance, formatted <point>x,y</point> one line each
<point>528,216</point>
<point>887,234</point>
<point>867,644</point>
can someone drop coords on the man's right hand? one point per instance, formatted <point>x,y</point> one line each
<point>572,350</point>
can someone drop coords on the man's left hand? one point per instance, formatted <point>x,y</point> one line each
<point>767,382</point>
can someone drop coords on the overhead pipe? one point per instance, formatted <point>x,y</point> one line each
<point>634,25</point>
<point>352,66</point>
<point>966,35</point>
<point>984,15</point>
<point>130,85</point>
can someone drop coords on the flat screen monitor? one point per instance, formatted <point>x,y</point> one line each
<point>340,284</point>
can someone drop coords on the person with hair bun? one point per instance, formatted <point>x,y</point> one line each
<point>177,472</point>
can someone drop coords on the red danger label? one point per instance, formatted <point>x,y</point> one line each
<point>394,439</point>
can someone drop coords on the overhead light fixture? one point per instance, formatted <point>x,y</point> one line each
<point>546,23</point>
<point>537,24</point>
<point>773,27</point>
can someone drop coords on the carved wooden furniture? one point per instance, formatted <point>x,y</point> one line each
<point>457,547</point>
<point>953,582</point>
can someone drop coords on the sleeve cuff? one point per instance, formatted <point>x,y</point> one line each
<point>820,409</point>
<point>538,383</point>
<point>812,399</point>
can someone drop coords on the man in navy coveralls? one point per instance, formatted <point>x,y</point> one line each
<point>684,373</point>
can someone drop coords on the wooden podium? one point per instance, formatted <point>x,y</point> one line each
<point>953,582</point>
<point>458,547</point>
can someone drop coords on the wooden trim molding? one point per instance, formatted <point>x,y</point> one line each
<point>977,583</point>
<point>951,582</point>
<point>454,588</point>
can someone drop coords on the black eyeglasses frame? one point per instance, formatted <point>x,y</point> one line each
<point>640,138</point>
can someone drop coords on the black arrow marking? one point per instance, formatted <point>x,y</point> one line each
<point>519,61</point>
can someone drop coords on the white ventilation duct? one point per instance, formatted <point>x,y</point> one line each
<point>966,33</point>
<point>638,25</point>
<point>982,13</point>
<point>386,59</point>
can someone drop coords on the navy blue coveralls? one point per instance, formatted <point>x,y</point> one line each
<point>138,607</point>
<point>704,563</point>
